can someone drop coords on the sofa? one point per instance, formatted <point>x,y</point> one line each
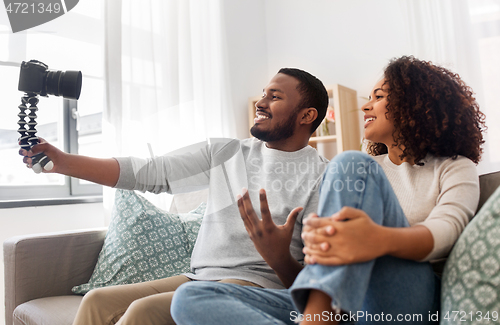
<point>41,270</point>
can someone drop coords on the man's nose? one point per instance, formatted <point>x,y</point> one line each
<point>261,103</point>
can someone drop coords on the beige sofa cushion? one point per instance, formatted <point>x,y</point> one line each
<point>59,310</point>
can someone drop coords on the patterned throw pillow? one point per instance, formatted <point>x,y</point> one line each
<point>471,278</point>
<point>143,243</point>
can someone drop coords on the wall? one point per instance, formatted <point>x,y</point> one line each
<point>344,42</point>
<point>245,26</point>
<point>22,221</point>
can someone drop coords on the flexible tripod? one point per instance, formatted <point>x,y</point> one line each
<point>28,136</point>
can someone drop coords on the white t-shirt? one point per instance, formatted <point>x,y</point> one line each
<point>223,248</point>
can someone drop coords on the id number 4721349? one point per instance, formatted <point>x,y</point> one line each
<point>463,316</point>
<point>25,8</point>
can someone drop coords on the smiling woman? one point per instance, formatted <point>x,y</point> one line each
<point>441,118</point>
<point>378,127</point>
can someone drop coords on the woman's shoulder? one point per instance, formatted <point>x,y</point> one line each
<point>458,166</point>
<point>458,161</point>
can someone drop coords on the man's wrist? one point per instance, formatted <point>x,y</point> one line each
<point>284,264</point>
<point>277,264</point>
<point>287,269</point>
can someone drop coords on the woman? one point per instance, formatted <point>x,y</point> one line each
<point>385,217</point>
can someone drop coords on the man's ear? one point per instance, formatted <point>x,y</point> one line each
<point>308,115</point>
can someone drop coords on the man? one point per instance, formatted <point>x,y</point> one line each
<point>292,106</point>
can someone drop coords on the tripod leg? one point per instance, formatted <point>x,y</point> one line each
<point>28,136</point>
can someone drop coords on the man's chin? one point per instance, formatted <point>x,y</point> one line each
<point>282,133</point>
<point>255,132</point>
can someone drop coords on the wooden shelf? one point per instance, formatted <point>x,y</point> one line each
<point>327,138</point>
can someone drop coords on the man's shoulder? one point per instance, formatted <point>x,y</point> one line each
<point>251,142</point>
<point>220,145</point>
<point>312,152</point>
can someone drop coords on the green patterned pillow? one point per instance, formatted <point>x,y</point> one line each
<point>471,278</point>
<point>143,243</point>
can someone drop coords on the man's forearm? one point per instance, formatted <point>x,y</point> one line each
<point>97,170</point>
<point>287,271</point>
<point>101,171</point>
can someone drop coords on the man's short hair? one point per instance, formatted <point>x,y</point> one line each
<point>312,91</point>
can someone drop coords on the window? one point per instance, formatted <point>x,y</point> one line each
<point>73,41</point>
<point>485,16</point>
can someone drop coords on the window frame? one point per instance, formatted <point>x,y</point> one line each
<point>69,192</point>
<point>87,19</point>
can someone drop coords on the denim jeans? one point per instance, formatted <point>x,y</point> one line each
<point>380,291</point>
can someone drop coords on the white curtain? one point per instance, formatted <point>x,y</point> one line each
<point>167,81</point>
<point>443,31</point>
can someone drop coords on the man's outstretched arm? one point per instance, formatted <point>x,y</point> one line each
<point>97,170</point>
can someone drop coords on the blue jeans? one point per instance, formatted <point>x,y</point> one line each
<point>384,290</point>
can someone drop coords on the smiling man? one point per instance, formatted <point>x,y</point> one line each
<point>277,112</point>
<point>264,253</point>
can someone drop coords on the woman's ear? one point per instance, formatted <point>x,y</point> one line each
<point>308,115</point>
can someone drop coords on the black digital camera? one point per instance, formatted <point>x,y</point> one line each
<point>36,78</point>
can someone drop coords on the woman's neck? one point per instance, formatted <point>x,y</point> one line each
<point>395,153</point>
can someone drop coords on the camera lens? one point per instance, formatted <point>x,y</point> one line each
<point>64,83</point>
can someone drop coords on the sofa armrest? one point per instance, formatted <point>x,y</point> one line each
<point>488,183</point>
<point>45,265</point>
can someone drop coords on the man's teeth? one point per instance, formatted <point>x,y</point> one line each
<point>262,117</point>
<point>370,119</point>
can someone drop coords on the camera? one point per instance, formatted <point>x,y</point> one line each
<point>36,78</point>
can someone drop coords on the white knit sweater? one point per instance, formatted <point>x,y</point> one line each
<point>442,195</point>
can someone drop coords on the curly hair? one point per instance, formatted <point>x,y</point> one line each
<point>433,111</point>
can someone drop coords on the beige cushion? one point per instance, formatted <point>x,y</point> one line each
<point>48,311</point>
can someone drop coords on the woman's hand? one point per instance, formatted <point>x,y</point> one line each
<point>349,236</point>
